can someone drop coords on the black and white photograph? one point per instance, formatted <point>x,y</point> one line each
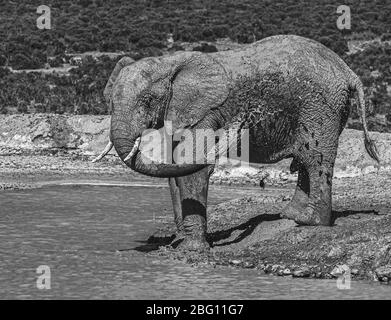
<point>206,150</point>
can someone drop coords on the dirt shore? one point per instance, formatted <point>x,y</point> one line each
<point>249,233</point>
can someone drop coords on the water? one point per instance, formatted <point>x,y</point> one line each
<point>87,235</point>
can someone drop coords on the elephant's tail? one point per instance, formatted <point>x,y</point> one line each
<point>370,145</point>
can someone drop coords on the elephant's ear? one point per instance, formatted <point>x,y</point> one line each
<point>200,83</point>
<point>122,63</point>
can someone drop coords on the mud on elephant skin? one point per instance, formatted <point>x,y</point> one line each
<point>291,93</point>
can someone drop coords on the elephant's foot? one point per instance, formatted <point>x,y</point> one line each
<point>307,216</point>
<point>192,244</point>
<point>193,232</point>
<point>300,215</point>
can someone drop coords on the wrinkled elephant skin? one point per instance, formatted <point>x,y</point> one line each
<point>292,94</point>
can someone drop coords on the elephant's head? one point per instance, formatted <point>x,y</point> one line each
<point>185,88</point>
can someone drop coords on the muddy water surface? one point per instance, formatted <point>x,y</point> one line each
<point>90,237</point>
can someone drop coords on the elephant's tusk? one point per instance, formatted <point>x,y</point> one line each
<point>134,150</point>
<point>107,149</point>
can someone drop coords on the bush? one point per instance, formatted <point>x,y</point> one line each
<point>204,47</point>
<point>386,37</point>
<point>56,61</point>
<point>21,61</point>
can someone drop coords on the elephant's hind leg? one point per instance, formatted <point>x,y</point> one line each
<point>311,204</point>
<point>190,209</point>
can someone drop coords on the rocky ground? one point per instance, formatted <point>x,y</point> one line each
<point>246,232</point>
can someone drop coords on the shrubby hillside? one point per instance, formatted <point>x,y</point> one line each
<point>374,68</point>
<point>80,92</point>
<point>142,25</point>
<point>140,28</point>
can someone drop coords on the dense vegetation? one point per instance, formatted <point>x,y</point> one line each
<point>143,25</point>
<point>140,28</point>
<point>374,68</point>
<point>79,93</point>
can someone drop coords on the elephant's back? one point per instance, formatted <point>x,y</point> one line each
<point>289,54</point>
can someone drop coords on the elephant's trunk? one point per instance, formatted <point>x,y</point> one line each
<point>125,135</point>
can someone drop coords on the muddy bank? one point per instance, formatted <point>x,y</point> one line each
<point>249,233</point>
<point>34,145</point>
<point>40,133</point>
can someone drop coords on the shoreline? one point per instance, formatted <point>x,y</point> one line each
<point>247,232</point>
<point>60,145</point>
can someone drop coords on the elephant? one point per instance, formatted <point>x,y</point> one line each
<point>291,93</point>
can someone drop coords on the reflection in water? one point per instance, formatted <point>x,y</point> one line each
<point>79,232</point>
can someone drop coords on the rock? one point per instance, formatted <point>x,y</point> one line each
<point>355,271</point>
<point>280,272</point>
<point>248,265</point>
<point>301,272</point>
<point>340,270</point>
<point>235,262</point>
<point>274,268</point>
<point>384,273</point>
<point>335,252</point>
<point>267,268</point>
<point>287,272</point>
<point>368,170</point>
<point>284,176</point>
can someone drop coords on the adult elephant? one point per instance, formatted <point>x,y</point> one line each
<point>292,93</point>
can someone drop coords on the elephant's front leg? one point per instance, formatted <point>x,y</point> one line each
<point>190,195</point>
<point>176,205</point>
<point>300,198</point>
